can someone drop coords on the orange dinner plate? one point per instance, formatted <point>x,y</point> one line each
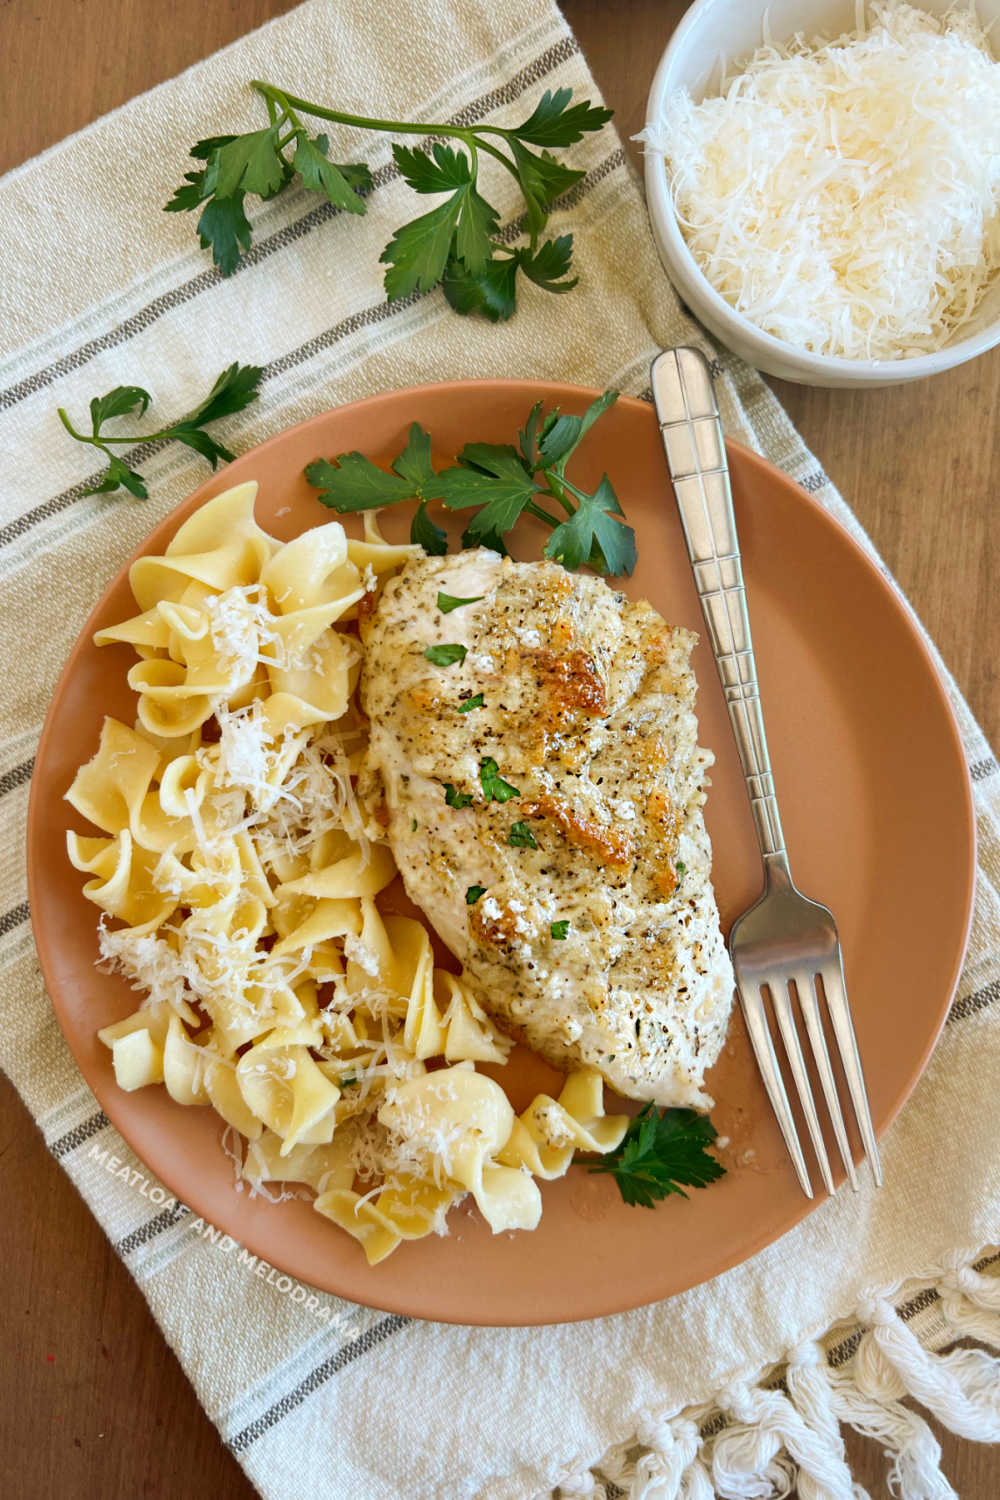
<point>877,811</point>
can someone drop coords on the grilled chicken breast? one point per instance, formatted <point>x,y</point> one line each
<point>544,789</point>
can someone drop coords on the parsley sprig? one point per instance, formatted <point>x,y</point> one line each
<point>235,388</point>
<point>498,483</point>
<point>457,243</point>
<point>662,1152</point>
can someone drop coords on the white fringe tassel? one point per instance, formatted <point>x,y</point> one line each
<point>763,1438</point>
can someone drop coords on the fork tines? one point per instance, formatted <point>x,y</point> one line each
<point>809,990</point>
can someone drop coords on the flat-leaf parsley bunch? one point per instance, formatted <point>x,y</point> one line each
<point>458,243</point>
<point>498,483</point>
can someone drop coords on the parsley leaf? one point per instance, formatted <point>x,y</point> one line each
<point>424,532</point>
<point>250,163</point>
<point>561,438</point>
<point>549,266</point>
<point>353,483</point>
<point>542,179</point>
<point>256,163</point>
<point>553,123</point>
<point>206,149</point>
<point>454,797</point>
<point>446,656</point>
<point>119,476</point>
<point>473,894</point>
<point>193,191</point>
<point>681,868</point>
<point>560,930</point>
<point>661,1153</point>
<point>498,483</point>
<point>447,602</point>
<point>224,229</point>
<point>521,836</point>
<point>339,184</point>
<point>470,704</point>
<point>414,463</point>
<point>491,291</point>
<point>445,170</point>
<point>493,477</point>
<point>418,252</point>
<point>235,389</point>
<point>591,532</point>
<point>118,403</point>
<point>457,244</point>
<point>495,789</point>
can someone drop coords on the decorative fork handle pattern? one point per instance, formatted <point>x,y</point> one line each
<point>688,414</point>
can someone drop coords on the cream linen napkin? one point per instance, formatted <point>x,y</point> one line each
<point>311,1393</point>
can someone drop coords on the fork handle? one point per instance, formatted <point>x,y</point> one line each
<point>688,414</point>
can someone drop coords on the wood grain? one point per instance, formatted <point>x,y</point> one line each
<point>92,1401</point>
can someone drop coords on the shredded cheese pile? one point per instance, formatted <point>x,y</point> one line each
<point>845,196</point>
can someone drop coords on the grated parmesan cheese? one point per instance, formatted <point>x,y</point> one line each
<point>845,196</point>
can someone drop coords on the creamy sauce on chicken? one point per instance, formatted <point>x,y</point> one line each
<point>553,833</point>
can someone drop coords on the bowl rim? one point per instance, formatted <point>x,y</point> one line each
<point>680,262</point>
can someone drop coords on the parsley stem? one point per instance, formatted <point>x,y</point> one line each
<point>542,514</point>
<point>64,419</point>
<point>470,137</point>
<point>103,441</point>
<point>291,102</point>
<point>497,155</point>
<point>557,491</point>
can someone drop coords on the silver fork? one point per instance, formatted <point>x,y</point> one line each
<point>785,941</point>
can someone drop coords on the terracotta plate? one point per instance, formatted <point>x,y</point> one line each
<point>877,812</point>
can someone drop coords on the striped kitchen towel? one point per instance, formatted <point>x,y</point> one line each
<point>728,1388</point>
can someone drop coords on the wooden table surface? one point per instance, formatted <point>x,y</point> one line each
<point>92,1401</point>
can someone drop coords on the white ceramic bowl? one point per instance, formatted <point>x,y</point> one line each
<point>711,30</point>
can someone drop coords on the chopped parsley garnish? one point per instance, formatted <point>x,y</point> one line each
<point>521,836</point>
<point>470,704</point>
<point>662,1153</point>
<point>559,930</point>
<point>413,825</point>
<point>681,868</point>
<point>445,656</point>
<point>473,894</point>
<point>454,797</point>
<point>447,602</point>
<point>495,789</point>
<point>345,1083</point>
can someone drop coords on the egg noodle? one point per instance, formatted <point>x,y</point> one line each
<point>243,875</point>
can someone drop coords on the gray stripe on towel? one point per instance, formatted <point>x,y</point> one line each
<point>968,1005</point>
<point>14,918</point>
<point>350,1352</point>
<point>80,1133</point>
<point>16,776</point>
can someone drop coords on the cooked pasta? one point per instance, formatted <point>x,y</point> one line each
<point>239,880</point>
